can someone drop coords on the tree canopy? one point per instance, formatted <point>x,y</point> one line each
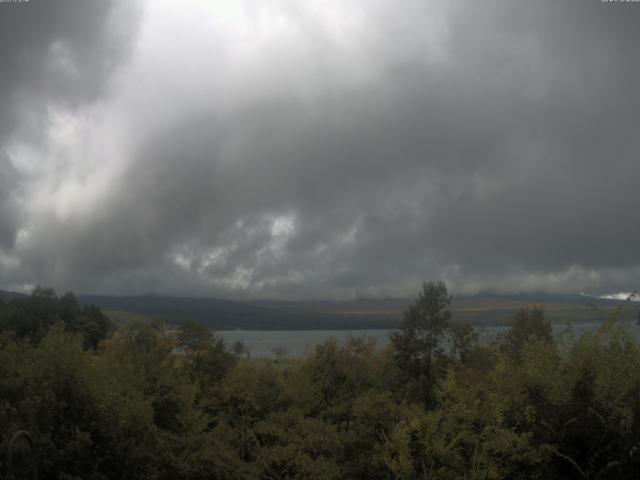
<point>423,326</point>
<point>135,406</point>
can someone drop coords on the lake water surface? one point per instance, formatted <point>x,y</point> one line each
<point>261,343</point>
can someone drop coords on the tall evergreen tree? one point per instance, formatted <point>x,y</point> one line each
<point>417,340</point>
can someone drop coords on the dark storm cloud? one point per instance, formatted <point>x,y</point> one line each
<point>52,54</point>
<point>8,205</point>
<point>58,52</point>
<point>504,157</point>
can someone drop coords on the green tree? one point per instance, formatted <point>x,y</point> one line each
<point>463,339</point>
<point>194,337</point>
<point>32,317</point>
<point>417,340</point>
<point>206,354</point>
<point>529,324</point>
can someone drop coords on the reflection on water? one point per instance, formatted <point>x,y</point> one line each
<point>269,343</point>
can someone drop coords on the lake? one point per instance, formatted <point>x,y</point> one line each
<point>297,342</point>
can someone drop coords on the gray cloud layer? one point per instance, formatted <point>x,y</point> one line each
<point>304,149</point>
<point>53,55</point>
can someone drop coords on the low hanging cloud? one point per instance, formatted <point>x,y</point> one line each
<point>323,149</point>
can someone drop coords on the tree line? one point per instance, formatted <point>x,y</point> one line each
<point>120,403</point>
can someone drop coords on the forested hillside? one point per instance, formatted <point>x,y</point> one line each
<point>109,403</point>
<point>480,309</point>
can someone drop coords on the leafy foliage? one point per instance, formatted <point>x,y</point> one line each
<point>415,343</point>
<point>529,324</point>
<point>147,402</point>
<point>32,317</point>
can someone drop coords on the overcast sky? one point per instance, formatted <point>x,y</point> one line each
<point>319,148</point>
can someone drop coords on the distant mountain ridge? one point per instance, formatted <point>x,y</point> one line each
<point>221,314</point>
<point>6,295</point>
<point>228,314</point>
